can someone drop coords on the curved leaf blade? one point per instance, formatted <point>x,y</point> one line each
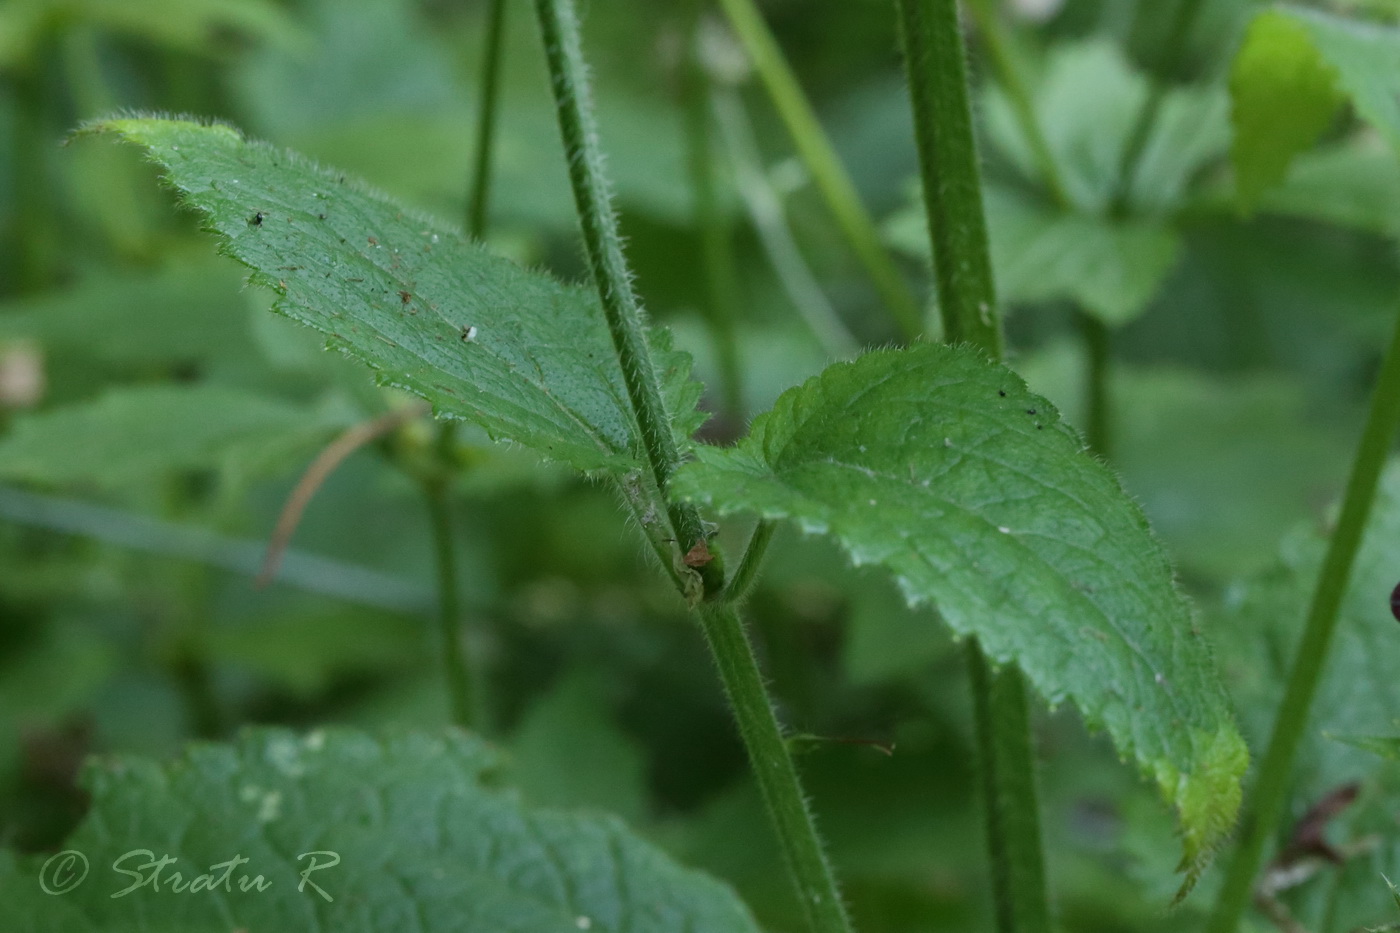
<point>943,468</point>
<point>482,339</point>
<point>423,844</point>
<point>1292,73</point>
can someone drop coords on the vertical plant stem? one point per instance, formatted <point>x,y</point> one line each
<point>479,198</point>
<point>455,659</point>
<point>611,276</point>
<point>937,68</point>
<point>821,160</point>
<point>773,768</point>
<point>936,64</point>
<point>1141,131</point>
<point>1008,781</point>
<point>1098,349</point>
<point>717,262</point>
<point>1275,770</point>
<point>743,683</point>
<point>766,214</point>
<point>989,26</point>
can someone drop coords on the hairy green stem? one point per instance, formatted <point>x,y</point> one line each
<point>825,166</point>
<point>743,683</point>
<point>1008,780</point>
<point>455,662</point>
<point>603,242</point>
<point>746,574</point>
<point>1275,770</point>
<point>936,62</point>
<point>482,161</point>
<point>773,768</point>
<point>717,262</point>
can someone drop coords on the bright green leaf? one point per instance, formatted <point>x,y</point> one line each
<point>527,358</point>
<point>1284,94</point>
<point>947,471</point>
<point>1292,73</point>
<point>132,434</point>
<point>424,843</point>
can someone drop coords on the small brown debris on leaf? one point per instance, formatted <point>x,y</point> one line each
<point>699,555</point>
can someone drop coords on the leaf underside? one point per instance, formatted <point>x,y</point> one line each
<point>482,339</point>
<point>423,843</point>
<point>943,468</point>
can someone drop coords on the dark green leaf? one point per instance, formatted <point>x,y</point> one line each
<point>945,470</point>
<point>423,844</point>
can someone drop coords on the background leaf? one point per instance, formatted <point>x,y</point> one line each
<point>137,434</point>
<point>424,843</point>
<point>1292,73</point>
<point>944,469</point>
<point>1284,95</point>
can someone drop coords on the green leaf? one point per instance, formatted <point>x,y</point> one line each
<point>1088,100</point>
<point>1355,185</point>
<point>189,312</point>
<point>424,843</point>
<point>305,651</point>
<point>1112,268</point>
<point>947,471</point>
<point>199,26</point>
<point>1359,693</point>
<point>129,434</point>
<point>1292,73</point>
<point>482,339</point>
<point>1284,95</point>
<point>569,752</point>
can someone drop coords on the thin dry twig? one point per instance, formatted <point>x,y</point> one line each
<point>317,473</point>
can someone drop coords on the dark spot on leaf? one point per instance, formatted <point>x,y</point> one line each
<point>1030,411</point>
<point>1395,602</point>
<point>257,219</point>
<point>373,241</point>
<point>1001,392</point>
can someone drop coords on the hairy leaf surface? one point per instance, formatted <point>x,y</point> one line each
<point>946,470</point>
<point>423,843</point>
<point>484,340</point>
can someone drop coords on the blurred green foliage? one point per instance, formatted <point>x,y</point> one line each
<point>145,397</point>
